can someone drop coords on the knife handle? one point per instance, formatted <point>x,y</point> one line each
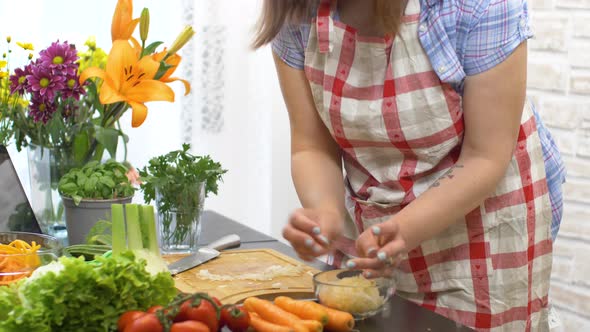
<point>226,242</point>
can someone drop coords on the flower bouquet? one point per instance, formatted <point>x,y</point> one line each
<point>68,103</point>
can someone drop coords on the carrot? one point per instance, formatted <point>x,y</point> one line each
<point>16,258</point>
<point>261,325</point>
<point>339,321</point>
<point>274,314</point>
<point>313,325</point>
<point>303,309</point>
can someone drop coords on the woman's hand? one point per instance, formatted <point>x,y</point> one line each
<point>312,232</point>
<point>379,248</point>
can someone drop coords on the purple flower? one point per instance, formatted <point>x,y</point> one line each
<point>73,88</point>
<point>44,83</point>
<point>41,109</point>
<point>18,81</point>
<point>61,58</point>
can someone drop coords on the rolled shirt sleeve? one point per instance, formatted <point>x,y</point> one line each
<point>289,45</point>
<point>495,34</point>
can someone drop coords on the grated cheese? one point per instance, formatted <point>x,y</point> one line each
<point>271,272</point>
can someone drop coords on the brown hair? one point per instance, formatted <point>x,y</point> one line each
<point>275,13</point>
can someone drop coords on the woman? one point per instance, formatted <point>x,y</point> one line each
<point>451,181</point>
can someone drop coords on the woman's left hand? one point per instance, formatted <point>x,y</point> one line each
<point>380,248</point>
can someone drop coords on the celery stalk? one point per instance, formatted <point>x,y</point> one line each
<point>118,229</point>
<point>134,241</point>
<point>148,229</point>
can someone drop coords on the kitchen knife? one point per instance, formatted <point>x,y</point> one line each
<point>204,254</point>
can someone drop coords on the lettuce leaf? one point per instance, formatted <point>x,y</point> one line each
<point>72,295</point>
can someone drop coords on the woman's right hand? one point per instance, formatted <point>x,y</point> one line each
<point>312,232</point>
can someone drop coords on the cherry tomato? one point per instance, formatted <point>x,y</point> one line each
<point>216,300</point>
<point>127,318</point>
<point>204,312</point>
<point>145,323</point>
<point>189,326</point>
<point>155,308</point>
<point>236,318</point>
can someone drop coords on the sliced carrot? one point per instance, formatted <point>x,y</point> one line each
<point>16,258</point>
<point>274,314</point>
<point>260,325</point>
<point>303,309</point>
<point>313,325</point>
<point>339,321</point>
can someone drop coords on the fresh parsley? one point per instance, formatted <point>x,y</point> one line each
<point>175,181</point>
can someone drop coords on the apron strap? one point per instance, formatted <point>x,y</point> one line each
<point>325,25</point>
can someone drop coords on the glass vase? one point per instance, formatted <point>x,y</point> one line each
<point>179,218</point>
<point>45,169</point>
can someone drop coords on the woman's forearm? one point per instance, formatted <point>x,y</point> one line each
<point>318,179</point>
<point>464,187</point>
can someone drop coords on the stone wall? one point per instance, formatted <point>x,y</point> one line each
<point>559,82</point>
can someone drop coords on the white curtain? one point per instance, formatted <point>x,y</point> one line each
<point>237,115</point>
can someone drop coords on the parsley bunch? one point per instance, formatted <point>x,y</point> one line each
<point>175,181</point>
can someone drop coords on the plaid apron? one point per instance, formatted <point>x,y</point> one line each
<point>400,129</point>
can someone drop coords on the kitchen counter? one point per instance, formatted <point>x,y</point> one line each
<point>400,315</point>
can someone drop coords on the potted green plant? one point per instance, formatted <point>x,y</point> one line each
<point>179,182</point>
<point>88,192</point>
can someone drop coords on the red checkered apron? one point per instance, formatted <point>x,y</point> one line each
<point>400,128</point>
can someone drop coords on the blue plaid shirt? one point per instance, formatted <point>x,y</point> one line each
<point>461,37</point>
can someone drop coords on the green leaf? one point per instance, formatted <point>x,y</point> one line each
<point>77,199</point>
<point>90,185</point>
<point>151,48</point>
<point>81,146</point>
<point>109,138</point>
<point>107,181</point>
<point>162,70</point>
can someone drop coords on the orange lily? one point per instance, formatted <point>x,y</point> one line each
<point>123,24</point>
<point>128,80</point>
<point>173,60</point>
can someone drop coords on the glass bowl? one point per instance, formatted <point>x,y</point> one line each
<point>348,290</point>
<point>14,267</point>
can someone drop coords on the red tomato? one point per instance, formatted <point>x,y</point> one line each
<point>189,326</point>
<point>203,312</point>
<point>145,323</point>
<point>127,318</point>
<point>155,308</point>
<point>236,318</point>
<point>216,300</point>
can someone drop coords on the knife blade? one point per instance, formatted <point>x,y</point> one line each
<point>204,254</point>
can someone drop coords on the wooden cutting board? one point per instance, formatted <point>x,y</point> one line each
<point>236,266</point>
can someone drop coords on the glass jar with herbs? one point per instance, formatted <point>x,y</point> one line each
<point>179,182</point>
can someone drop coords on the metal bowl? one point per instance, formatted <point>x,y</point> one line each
<point>348,290</point>
<point>49,251</point>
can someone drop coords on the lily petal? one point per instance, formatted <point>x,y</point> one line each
<point>91,72</point>
<point>136,46</point>
<point>138,115</point>
<point>121,57</point>
<point>150,90</point>
<point>123,25</point>
<point>148,66</point>
<point>173,60</point>
<point>187,85</point>
<point>108,95</point>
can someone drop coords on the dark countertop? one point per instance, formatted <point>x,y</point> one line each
<point>401,315</point>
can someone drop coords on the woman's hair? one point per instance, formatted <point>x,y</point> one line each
<point>275,13</point>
